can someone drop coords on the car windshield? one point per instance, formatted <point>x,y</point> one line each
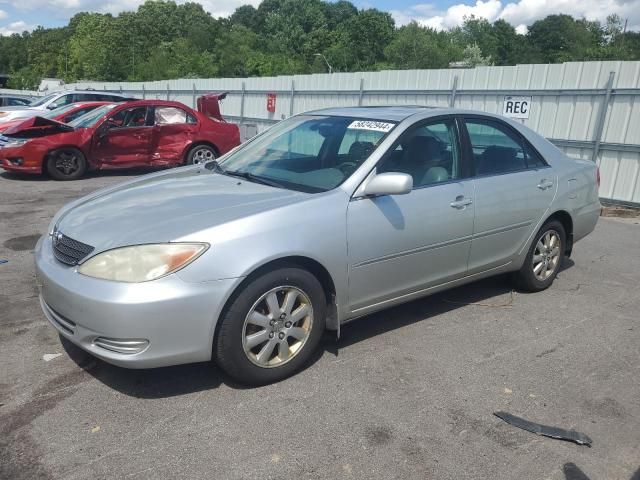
<point>308,153</point>
<point>43,100</point>
<point>89,119</point>
<point>58,111</point>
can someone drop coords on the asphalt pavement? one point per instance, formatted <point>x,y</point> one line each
<point>407,393</point>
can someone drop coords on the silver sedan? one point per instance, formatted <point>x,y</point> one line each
<point>325,217</point>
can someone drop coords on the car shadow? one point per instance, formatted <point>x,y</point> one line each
<point>183,379</point>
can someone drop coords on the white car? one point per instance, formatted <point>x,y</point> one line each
<point>58,99</point>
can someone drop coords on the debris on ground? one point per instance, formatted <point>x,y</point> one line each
<point>2,260</point>
<point>47,357</point>
<point>547,431</point>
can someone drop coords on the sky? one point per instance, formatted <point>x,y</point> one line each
<point>20,15</point>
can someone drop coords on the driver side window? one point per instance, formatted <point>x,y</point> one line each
<point>60,102</point>
<point>429,153</point>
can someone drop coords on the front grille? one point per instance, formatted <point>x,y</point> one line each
<point>67,250</point>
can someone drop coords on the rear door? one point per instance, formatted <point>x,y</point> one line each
<point>174,129</point>
<point>513,190</point>
<point>125,138</point>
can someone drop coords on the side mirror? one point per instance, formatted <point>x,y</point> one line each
<point>391,183</point>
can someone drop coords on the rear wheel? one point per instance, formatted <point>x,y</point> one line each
<point>544,258</point>
<point>66,164</point>
<point>272,327</point>
<point>201,154</point>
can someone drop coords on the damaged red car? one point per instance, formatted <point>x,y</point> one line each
<point>138,133</point>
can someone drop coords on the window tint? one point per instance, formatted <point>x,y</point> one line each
<point>495,148</point>
<point>130,117</point>
<point>171,115</point>
<point>428,153</point>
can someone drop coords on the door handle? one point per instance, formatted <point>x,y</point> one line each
<point>544,184</point>
<point>461,202</point>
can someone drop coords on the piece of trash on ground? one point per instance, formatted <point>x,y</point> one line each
<point>95,429</point>
<point>3,261</point>
<point>47,357</point>
<point>547,431</point>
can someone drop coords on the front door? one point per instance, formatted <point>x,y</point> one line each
<point>124,139</point>
<point>514,188</point>
<point>402,244</point>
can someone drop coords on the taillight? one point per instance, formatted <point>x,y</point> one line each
<point>598,176</point>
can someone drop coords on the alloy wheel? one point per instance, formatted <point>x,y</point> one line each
<point>202,155</point>
<point>67,162</point>
<point>277,326</point>
<point>546,256</point>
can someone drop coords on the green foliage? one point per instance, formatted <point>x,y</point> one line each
<point>163,40</point>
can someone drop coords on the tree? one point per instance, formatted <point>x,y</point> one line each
<point>163,39</point>
<point>418,47</point>
<point>561,38</point>
<point>472,56</point>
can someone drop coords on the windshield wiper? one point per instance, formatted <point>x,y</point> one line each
<point>253,178</point>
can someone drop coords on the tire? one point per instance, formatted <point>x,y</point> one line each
<point>252,353</point>
<point>201,154</point>
<point>66,164</point>
<point>538,275</point>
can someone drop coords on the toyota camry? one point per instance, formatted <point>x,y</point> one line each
<point>325,217</point>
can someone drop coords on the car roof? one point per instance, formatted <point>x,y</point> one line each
<point>93,92</point>
<point>395,113</point>
<point>89,104</point>
<point>157,103</point>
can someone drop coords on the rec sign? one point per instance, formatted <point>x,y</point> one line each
<point>516,107</point>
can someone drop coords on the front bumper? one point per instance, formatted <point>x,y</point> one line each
<point>143,325</point>
<point>20,160</point>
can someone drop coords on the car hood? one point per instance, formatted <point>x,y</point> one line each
<point>166,207</point>
<point>36,127</point>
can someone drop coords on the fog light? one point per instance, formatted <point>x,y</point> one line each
<point>17,161</point>
<point>120,345</point>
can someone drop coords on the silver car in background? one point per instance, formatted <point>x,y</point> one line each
<point>325,217</point>
<point>40,105</point>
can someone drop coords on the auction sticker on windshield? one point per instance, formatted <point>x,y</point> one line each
<point>370,125</point>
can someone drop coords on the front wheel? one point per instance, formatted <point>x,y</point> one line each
<point>200,154</point>
<point>544,258</point>
<point>272,327</point>
<point>66,164</point>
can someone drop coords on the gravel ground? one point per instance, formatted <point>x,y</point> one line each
<point>406,393</point>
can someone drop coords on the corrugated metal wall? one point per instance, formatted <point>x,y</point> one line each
<point>568,103</point>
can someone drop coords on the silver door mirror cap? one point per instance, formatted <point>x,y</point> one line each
<point>390,183</point>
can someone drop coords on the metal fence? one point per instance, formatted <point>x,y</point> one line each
<point>590,110</point>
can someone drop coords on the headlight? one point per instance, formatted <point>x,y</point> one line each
<point>141,263</point>
<point>16,142</point>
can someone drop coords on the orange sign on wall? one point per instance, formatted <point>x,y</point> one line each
<point>271,102</point>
